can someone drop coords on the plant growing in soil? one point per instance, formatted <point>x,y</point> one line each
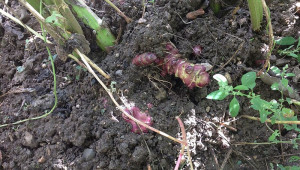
<point>192,75</point>
<point>291,50</point>
<point>275,110</point>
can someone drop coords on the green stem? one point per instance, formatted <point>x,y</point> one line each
<point>104,38</point>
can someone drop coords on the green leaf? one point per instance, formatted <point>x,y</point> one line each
<point>289,100</point>
<point>234,107</point>
<point>55,18</point>
<point>298,45</point>
<point>286,41</point>
<point>263,115</point>
<point>241,87</point>
<point>260,104</point>
<point>290,75</point>
<point>275,86</point>
<point>222,80</point>
<point>217,95</point>
<point>276,70</point>
<point>248,79</point>
<point>290,89</point>
<point>292,55</point>
<point>285,82</point>
<point>294,158</point>
<point>275,134</point>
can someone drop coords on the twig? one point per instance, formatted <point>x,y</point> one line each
<point>127,19</point>
<point>269,121</point>
<point>82,56</point>
<point>226,159</point>
<point>183,145</point>
<point>247,158</point>
<point>215,158</point>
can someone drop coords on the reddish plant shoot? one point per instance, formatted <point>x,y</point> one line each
<point>192,75</point>
<point>136,113</point>
<point>144,59</point>
<point>197,50</point>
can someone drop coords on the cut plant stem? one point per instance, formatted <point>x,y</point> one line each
<point>82,56</point>
<point>270,33</point>
<point>127,19</point>
<point>269,121</point>
<point>104,38</point>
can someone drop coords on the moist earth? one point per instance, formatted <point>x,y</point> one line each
<point>86,131</point>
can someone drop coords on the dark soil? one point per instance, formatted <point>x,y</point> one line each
<point>86,131</point>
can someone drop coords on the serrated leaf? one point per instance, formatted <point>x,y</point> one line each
<point>286,112</point>
<point>274,135</point>
<point>234,107</point>
<point>241,87</point>
<point>275,86</point>
<point>220,78</point>
<point>263,115</point>
<point>286,41</point>
<point>276,70</point>
<point>260,104</point>
<point>248,79</point>
<point>217,95</point>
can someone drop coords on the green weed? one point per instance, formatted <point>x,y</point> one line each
<point>291,50</point>
<point>274,110</point>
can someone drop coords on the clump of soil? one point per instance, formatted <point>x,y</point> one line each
<point>86,131</point>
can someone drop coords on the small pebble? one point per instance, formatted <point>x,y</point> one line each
<point>119,72</point>
<point>42,160</point>
<point>88,154</point>
<point>207,109</point>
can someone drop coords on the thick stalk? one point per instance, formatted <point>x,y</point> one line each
<point>104,37</point>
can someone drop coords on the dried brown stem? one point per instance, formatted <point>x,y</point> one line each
<point>269,121</point>
<point>127,19</point>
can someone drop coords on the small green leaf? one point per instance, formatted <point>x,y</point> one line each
<point>276,70</point>
<point>286,41</point>
<point>275,86</point>
<point>275,134</point>
<point>263,115</point>
<point>285,82</point>
<point>290,75</point>
<point>217,95</point>
<point>292,55</point>
<point>289,100</point>
<point>294,158</point>
<point>234,107</point>
<point>290,89</point>
<point>298,45</point>
<point>220,78</point>
<point>241,87</point>
<point>55,18</point>
<point>248,79</point>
